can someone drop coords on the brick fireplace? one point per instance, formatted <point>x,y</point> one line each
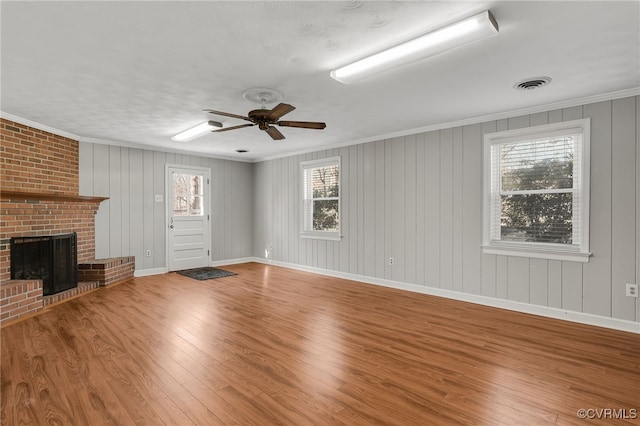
<point>39,195</point>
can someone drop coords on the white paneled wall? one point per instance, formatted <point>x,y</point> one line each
<point>418,199</point>
<point>131,222</point>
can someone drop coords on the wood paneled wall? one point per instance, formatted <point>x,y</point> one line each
<point>131,222</point>
<point>418,199</point>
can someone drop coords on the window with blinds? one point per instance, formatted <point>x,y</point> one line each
<point>321,198</point>
<point>536,191</point>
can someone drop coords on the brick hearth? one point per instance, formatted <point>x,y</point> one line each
<point>19,298</point>
<point>40,196</point>
<point>107,272</point>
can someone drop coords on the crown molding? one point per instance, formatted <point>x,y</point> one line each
<point>38,126</point>
<point>123,144</point>
<point>475,120</point>
<point>161,149</point>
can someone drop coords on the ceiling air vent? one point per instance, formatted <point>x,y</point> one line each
<point>532,83</point>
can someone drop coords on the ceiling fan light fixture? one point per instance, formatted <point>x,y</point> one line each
<point>474,28</point>
<point>267,119</point>
<point>196,131</point>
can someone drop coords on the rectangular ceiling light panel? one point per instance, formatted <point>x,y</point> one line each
<point>196,131</point>
<point>468,30</point>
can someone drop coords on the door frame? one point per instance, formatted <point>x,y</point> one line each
<point>168,210</point>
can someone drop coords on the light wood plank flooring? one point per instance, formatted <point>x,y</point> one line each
<point>276,346</point>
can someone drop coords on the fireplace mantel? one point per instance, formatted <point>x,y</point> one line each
<point>22,196</point>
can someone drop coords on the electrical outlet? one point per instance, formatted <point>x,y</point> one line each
<point>148,253</point>
<point>392,261</point>
<point>632,290</point>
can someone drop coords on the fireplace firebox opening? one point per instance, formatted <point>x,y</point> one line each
<point>52,259</point>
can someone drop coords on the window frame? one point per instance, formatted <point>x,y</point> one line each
<point>577,251</point>
<point>310,165</point>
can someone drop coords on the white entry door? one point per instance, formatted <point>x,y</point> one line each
<point>188,212</point>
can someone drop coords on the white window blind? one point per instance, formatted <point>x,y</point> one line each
<point>321,198</point>
<point>536,190</point>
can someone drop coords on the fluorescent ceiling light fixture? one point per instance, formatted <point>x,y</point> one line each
<point>196,131</point>
<point>468,30</point>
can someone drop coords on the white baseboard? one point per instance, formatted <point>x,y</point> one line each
<point>544,311</point>
<point>216,263</point>
<point>158,271</point>
<point>147,272</point>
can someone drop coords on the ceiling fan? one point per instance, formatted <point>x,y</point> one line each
<point>265,119</point>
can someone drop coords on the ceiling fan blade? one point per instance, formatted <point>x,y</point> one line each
<point>226,114</point>
<point>278,111</point>
<point>224,129</point>
<point>274,133</point>
<point>303,124</point>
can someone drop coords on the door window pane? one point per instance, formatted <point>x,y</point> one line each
<point>188,194</point>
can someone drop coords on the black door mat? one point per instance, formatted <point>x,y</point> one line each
<point>205,273</point>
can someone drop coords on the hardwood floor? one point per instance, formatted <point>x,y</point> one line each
<point>276,346</point>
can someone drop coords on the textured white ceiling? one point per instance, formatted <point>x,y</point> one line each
<point>139,72</point>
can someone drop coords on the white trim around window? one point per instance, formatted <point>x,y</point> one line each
<point>498,238</point>
<point>310,228</point>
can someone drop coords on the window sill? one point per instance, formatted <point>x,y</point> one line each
<point>321,236</point>
<point>566,256</point>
